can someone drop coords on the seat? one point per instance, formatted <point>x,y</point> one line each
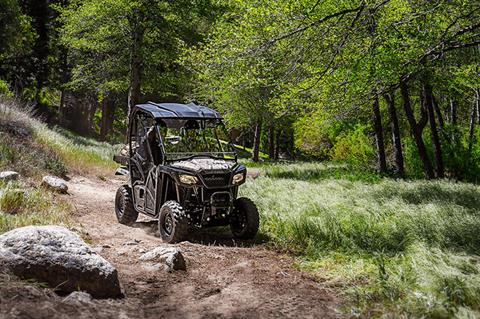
<point>153,147</point>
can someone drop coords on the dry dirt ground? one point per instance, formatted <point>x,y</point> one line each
<point>224,278</point>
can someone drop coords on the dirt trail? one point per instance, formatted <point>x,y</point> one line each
<point>222,279</point>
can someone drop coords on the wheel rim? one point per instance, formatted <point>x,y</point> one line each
<point>168,225</point>
<point>240,221</point>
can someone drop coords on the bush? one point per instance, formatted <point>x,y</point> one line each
<point>354,146</point>
<point>5,89</point>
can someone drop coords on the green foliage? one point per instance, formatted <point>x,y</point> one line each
<point>16,35</point>
<point>265,62</point>
<point>460,162</point>
<point>354,147</point>
<point>102,34</point>
<point>5,90</point>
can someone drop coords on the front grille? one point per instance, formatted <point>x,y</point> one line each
<point>216,180</point>
<point>220,199</point>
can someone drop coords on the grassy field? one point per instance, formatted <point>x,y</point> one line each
<point>405,248</point>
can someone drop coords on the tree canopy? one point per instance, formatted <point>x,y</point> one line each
<point>294,79</point>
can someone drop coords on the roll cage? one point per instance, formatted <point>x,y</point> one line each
<point>145,137</point>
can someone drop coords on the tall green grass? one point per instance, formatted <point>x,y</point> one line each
<point>62,149</point>
<point>21,205</point>
<point>407,248</point>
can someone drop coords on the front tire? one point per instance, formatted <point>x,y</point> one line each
<point>126,213</point>
<point>172,222</point>
<point>245,220</point>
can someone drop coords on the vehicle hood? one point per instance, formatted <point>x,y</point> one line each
<point>198,164</point>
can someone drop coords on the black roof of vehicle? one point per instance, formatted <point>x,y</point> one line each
<point>177,110</point>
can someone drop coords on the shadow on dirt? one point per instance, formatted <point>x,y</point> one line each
<point>219,236</point>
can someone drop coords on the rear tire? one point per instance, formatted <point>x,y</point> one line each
<point>172,222</point>
<point>244,220</point>
<point>126,213</point>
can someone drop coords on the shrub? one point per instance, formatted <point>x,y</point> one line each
<point>5,89</point>
<point>353,146</point>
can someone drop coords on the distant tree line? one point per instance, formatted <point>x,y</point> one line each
<point>84,63</point>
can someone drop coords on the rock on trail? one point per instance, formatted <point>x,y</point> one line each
<point>56,184</point>
<point>9,176</point>
<point>172,257</point>
<point>58,257</point>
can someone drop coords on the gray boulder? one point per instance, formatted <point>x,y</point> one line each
<point>54,183</point>
<point>8,176</point>
<point>58,257</point>
<point>172,257</point>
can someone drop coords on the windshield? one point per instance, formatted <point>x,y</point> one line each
<point>191,140</point>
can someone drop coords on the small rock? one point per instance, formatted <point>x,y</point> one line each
<point>176,261</point>
<point>77,297</point>
<point>8,176</point>
<point>172,257</point>
<point>132,242</point>
<point>55,184</point>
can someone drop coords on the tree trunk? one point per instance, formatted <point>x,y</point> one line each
<point>271,142</point>
<point>433,128</point>
<point>277,144</point>
<point>91,114</point>
<point>396,138</point>
<point>438,112</point>
<point>136,65</point>
<point>256,141</point>
<point>477,94</point>
<point>423,121</point>
<point>473,114</point>
<point>453,112</point>
<point>62,104</point>
<point>422,151</point>
<point>471,129</point>
<point>377,125</point>
<point>39,11</point>
<point>110,115</point>
<point>453,120</point>
<point>103,126</point>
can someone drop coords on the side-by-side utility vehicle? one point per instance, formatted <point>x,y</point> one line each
<point>182,171</point>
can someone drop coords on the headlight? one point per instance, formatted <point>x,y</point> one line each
<point>188,179</point>
<point>238,178</point>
